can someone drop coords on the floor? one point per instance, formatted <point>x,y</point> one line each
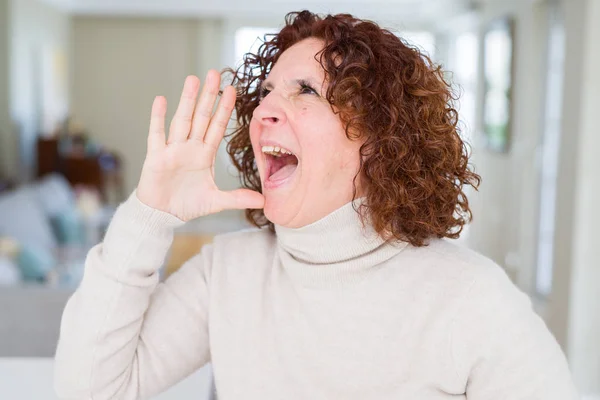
<point>31,378</point>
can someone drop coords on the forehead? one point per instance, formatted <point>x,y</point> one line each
<point>299,61</point>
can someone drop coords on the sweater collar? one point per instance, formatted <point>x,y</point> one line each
<point>334,249</point>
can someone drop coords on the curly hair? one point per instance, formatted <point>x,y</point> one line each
<point>414,164</point>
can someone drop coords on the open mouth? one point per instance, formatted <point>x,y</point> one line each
<point>281,163</point>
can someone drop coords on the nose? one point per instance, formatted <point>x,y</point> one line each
<point>269,113</point>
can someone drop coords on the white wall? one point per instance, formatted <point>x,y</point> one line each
<point>6,159</point>
<point>120,64</point>
<point>505,208</point>
<point>40,42</point>
<point>584,302</point>
<point>568,175</point>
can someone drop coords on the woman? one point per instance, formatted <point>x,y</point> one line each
<point>349,153</point>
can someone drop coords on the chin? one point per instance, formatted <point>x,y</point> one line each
<point>278,209</point>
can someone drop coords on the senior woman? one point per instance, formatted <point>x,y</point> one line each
<point>353,171</point>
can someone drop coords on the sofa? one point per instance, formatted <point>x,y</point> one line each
<point>53,231</point>
<point>36,216</point>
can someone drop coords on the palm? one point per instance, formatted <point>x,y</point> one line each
<point>178,176</point>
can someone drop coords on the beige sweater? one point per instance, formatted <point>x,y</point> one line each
<point>327,311</point>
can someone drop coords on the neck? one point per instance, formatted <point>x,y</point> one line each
<point>335,249</point>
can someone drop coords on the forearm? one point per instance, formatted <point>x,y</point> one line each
<point>102,321</point>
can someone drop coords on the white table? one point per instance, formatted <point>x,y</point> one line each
<point>31,378</point>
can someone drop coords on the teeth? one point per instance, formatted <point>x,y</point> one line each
<point>275,151</point>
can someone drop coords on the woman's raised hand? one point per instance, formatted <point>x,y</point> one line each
<point>178,173</point>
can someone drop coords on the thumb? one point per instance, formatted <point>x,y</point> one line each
<point>241,199</point>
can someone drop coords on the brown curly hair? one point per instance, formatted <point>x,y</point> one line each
<point>414,164</point>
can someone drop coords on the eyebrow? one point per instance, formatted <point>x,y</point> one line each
<point>300,82</point>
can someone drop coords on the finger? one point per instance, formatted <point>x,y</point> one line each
<point>182,120</point>
<point>156,132</point>
<point>241,199</point>
<point>205,105</point>
<point>219,121</point>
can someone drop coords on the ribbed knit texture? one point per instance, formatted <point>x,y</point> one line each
<point>327,311</point>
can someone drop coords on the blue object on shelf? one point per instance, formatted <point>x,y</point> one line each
<point>68,227</point>
<point>35,263</point>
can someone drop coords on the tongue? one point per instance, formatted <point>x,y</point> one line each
<point>283,172</point>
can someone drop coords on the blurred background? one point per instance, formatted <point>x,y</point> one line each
<point>77,79</point>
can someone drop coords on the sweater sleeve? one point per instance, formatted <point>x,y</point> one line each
<point>123,335</point>
<point>503,349</point>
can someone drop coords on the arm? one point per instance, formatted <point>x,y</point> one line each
<point>123,335</point>
<point>504,349</point>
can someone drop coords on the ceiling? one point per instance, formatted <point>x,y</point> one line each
<point>422,11</point>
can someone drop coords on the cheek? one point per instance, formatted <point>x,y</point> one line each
<point>254,131</point>
<point>324,161</point>
<point>254,137</point>
<point>326,150</point>
<point>351,159</point>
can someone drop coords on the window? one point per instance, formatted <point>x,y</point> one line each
<point>249,39</point>
<point>549,155</point>
<point>425,41</point>
<point>465,66</point>
<point>463,74</point>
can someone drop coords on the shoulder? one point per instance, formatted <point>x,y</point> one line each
<point>487,292</point>
<point>477,287</point>
<point>449,253</point>
<point>456,264</point>
<point>486,299</point>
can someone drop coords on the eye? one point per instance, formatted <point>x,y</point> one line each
<point>264,92</point>
<point>306,89</point>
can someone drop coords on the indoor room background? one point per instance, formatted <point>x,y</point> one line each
<point>77,80</point>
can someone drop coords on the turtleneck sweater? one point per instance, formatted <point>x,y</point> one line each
<point>327,311</point>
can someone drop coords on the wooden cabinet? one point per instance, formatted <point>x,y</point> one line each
<point>101,171</point>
